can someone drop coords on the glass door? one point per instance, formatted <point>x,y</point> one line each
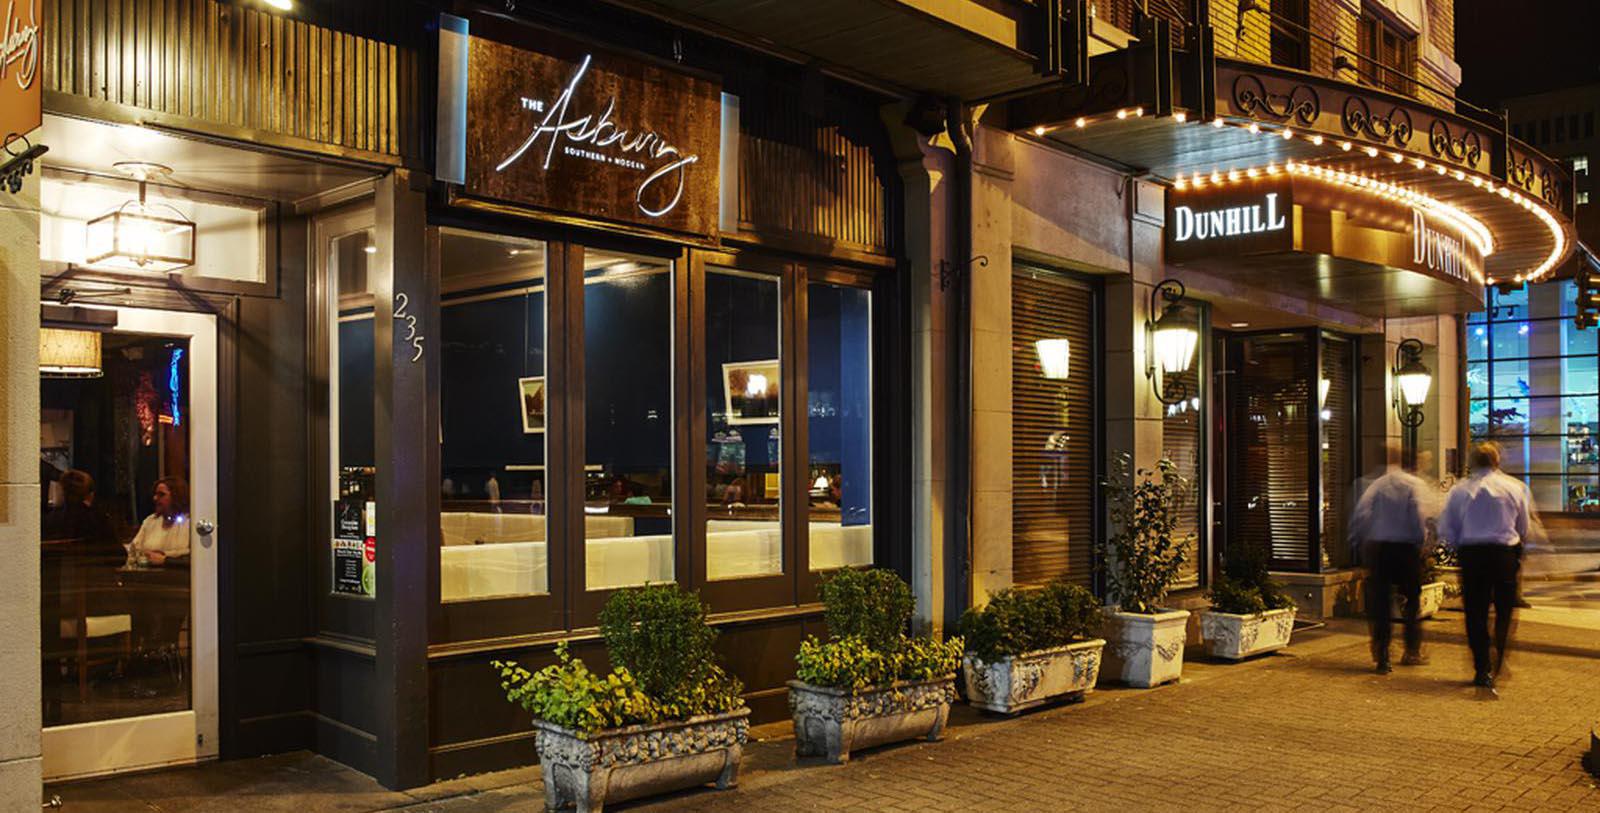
<point>128,449</point>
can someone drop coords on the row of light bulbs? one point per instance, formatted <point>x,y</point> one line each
<point>1463,221</point>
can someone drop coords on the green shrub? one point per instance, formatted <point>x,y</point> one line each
<point>867,612</point>
<point>1231,596</point>
<point>1144,554</point>
<point>1018,621</point>
<point>871,604</point>
<point>1247,566</point>
<point>664,668</point>
<point>567,694</point>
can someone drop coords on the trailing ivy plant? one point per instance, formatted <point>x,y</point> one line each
<point>1016,621</point>
<point>1143,555</point>
<point>867,613</point>
<point>664,668</point>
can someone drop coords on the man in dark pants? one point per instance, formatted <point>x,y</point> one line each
<point>1488,518</point>
<point>1389,523</point>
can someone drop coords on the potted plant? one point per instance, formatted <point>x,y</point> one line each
<point>1249,613</point>
<point>667,716</point>
<point>1140,560</point>
<point>869,683</point>
<point>1029,647</point>
<point>1435,562</point>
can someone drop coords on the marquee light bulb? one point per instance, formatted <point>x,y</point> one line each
<point>1345,145</point>
<point>1081,122</point>
<point>1287,134</point>
<point>1317,140</point>
<point>1372,152</point>
<point>1217,123</point>
<point>1255,129</point>
<point>1180,116</point>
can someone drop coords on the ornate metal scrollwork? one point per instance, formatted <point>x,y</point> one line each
<point>15,164</point>
<point>1520,172</point>
<point>1359,119</point>
<point>1446,145</point>
<point>1549,189</point>
<point>1301,103</point>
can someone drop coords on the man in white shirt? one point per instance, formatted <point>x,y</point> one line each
<point>1389,525</point>
<point>1488,518</point>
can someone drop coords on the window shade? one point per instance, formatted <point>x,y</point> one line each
<point>1053,421</point>
<point>1338,441</point>
<point>1182,442</point>
<point>1269,502</point>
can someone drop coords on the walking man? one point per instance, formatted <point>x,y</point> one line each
<point>1488,518</point>
<point>1390,525</point>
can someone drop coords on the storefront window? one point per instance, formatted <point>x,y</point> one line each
<point>839,421</point>
<point>627,344</point>
<point>743,415</point>
<point>1183,430</point>
<point>493,540</point>
<point>350,397</point>
<point>1533,388</point>
<point>1336,413</point>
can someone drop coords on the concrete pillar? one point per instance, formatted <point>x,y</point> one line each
<point>994,167</point>
<point>924,174</point>
<point>20,764</point>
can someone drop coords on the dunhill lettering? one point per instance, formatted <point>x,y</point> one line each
<point>21,44</point>
<point>1435,250</point>
<point>1229,222</point>
<point>589,134</point>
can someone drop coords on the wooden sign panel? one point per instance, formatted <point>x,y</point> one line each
<point>21,53</point>
<point>577,130</point>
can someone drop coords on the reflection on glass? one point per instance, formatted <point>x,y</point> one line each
<point>839,421</point>
<point>627,345</point>
<point>115,535</point>
<point>492,413</point>
<point>743,416</point>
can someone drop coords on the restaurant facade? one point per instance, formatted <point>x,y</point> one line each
<point>375,348</point>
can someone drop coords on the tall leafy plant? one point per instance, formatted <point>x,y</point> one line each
<point>867,613</point>
<point>1144,554</point>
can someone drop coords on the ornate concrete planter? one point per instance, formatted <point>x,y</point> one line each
<point>1236,637</point>
<point>1432,598</point>
<point>1033,678</point>
<point>832,722</point>
<point>1144,650</point>
<point>584,771</point>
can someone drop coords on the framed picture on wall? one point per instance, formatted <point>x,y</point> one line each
<point>532,392</point>
<point>750,391</point>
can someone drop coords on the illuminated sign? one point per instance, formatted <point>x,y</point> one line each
<point>1232,221</point>
<point>1441,252</point>
<point>559,126</point>
<point>21,110</point>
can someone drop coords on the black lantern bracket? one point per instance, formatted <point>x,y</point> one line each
<point>1171,292</point>
<point>951,273</point>
<point>1407,357</point>
<point>19,165</point>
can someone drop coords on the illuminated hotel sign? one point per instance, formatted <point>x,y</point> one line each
<point>567,128</point>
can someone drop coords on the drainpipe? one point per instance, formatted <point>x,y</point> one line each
<point>958,513</point>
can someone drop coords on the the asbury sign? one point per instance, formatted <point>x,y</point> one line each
<point>576,130</point>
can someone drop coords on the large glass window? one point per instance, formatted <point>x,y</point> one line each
<point>1183,441</point>
<point>352,454</point>
<point>839,421</point>
<point>744,536</point>
<point>492,509</point>
<point>628,430</point>
<point>1532,384</point>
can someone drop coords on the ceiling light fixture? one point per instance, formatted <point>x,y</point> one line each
<point>139,235</point>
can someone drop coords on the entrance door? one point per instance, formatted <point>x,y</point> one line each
<point>128,441</point>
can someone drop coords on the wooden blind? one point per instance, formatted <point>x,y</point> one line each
<point>1270,501</point>
<point>1182,442</point>
<point>1053,420</point>
<point>1338,446</point>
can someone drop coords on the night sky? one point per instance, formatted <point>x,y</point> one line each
<point>1515,47</point>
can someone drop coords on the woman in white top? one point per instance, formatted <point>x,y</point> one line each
<point>164,534</point>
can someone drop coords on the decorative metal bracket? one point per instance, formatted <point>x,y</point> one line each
<point>950,274</point>
<point>1409,352</point>
<point>19,164</point>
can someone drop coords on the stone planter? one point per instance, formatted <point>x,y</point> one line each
<point>1236,637</point>
<point>832,722</point>
<point>584,771</point>
<point>1033,678</point>
<point>1144,650</point>
<point>1432,598</point>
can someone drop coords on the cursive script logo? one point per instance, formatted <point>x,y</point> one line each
<point>21,44</point>
<point>590,136</point>
<point>1435,250</point>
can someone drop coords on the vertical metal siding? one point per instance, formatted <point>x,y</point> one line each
<point>237,67</point>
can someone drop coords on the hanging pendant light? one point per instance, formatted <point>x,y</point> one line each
<point>69,353</point>
<point>139,235</point>
<point>1055,358</point>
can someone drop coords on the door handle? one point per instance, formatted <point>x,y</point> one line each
<point>205,527</point>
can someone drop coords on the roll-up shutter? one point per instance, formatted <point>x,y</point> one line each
<point>1053,424</point>
<point>1182,442</point>
<point>1338,445</point>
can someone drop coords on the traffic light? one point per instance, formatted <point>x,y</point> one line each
<point>1588,304</point>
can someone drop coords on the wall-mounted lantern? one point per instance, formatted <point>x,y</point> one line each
<point>1170,341</point>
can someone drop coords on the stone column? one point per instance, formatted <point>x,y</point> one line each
<point>994,167</point>
<point>924,174</point>
<point>20,763</point>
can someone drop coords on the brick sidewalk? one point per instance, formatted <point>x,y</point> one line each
<point>1308,729</point>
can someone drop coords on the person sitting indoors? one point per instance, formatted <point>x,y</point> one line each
<point>77,520</point>
<point>163,537</point>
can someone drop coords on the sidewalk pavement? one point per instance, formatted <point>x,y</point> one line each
<point>1311,728</point>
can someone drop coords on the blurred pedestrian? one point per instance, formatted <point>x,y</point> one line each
<point>1389,524</point>
<point>1489,520</point>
